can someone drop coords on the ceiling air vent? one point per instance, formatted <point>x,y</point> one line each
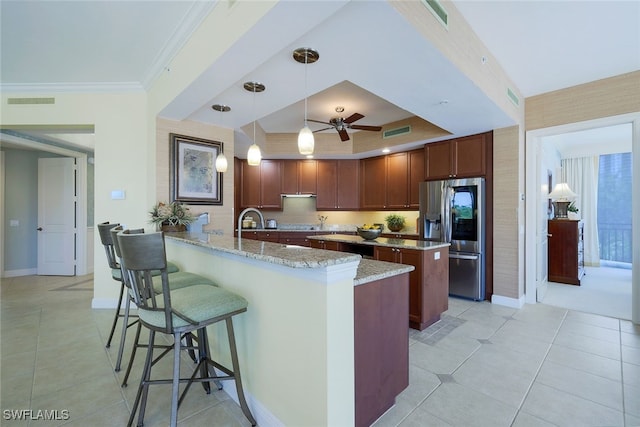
<point>396,132</point>
<point>30,101</point>
<point>513,97</point>
<point>438,11</point>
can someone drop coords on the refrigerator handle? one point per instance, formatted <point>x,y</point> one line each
<point>446,217</point>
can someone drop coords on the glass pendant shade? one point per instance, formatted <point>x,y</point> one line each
<point>305,141</point>
<point>221,163</point>
<point>254,156</point>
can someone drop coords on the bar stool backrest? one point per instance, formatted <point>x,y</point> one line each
<point>107,241</point>
<point>142,254</point>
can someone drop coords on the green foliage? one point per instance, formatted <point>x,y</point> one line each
<point>174,213</point>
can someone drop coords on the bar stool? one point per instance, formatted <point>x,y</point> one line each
<point>176,312</point>
<point>179,279</point>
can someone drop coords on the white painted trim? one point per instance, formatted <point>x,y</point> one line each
<point>81,179</point>
<point>508,302</point>
<point>532,161</point>
<point>263,416</point>
<point>20,273</point>
<point>102,303</point>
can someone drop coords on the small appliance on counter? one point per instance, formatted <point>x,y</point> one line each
<point>271,223</point>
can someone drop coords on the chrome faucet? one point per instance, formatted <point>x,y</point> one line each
<point>243,213</point>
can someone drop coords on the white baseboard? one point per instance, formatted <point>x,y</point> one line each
<point>508,302</point>
<point>101,303</point>
<point>263,416</point>
<point>18,273</point>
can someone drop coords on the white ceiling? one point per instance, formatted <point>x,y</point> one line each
<point>371,60</point>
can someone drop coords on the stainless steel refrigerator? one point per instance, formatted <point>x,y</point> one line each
<point>453,211</point>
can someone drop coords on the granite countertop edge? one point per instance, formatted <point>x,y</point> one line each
<point>422,245</point>
<point>371,270</point>
<point>274,253</point>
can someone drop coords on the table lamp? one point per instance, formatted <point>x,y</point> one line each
<point>561,197</point>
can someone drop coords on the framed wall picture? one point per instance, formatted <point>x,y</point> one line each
<point>193,176</point>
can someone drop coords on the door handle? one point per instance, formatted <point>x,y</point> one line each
<point>469,257</point>
<point>39,228</point>
<point>549,235</point>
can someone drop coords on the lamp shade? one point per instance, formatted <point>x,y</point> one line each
<point>305,141</point>
<point>562,192</point>
<point>221,163</point>
<point>254,156</point>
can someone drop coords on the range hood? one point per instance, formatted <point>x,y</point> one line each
<point>298,195</point>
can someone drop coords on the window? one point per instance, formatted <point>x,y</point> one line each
<point>614,208</point>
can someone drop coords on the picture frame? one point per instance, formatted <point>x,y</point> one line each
<point>193,176</point>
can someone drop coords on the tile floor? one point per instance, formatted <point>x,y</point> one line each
<point>482,365</point>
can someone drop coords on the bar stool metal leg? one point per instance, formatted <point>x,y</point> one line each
<point>116,317</point>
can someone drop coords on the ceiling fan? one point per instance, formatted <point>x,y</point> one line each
<point>341,125</point>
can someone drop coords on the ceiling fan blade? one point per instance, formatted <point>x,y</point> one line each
<point>318,121</point>
<point>352,118</point>
<point>320,130</point>
<point>363,127</point>
<point>344,136</point>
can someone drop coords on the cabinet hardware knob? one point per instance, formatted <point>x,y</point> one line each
<point>549,235</point>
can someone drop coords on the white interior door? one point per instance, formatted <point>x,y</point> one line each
<point>56,216</point>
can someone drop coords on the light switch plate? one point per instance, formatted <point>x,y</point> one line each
<point>14,223</point>
<point>117,195</point>
<point>436,255</point>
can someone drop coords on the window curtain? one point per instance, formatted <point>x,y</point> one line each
<point>581,174</point>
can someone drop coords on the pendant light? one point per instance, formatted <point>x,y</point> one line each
<point>221,159</point>
<point>254,156</point>
<point>306,142</point>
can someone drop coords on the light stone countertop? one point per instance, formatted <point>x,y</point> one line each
<point>370,270</point>
<point>422,245</point>
<point>292,255</point>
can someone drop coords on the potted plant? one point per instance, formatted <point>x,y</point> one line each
<point>395,222</point>
<point>572,211</point>
<point>171,217</point>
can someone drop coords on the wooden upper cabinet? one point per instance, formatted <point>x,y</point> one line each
<point>337,185</point>
<point>299,176</point>
<point>416,176</point>
<point>458,158</point>
<point>438,160</point>
<point>373,183</point>
<point>262,185</point>
<point>397,181</point>
<point>348,189</point>
<point>470,156</point>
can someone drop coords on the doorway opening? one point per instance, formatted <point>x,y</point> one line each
<point>535,210</point>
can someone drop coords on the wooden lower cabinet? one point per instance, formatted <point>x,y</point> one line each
<point>326,244</point>
<point>295,238</point>
<point>263,235</point>
<point>381,346</point>
<point>565,251</point>
<point>428,283</point>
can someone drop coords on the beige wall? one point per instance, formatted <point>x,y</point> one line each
<point>506,214</point>
<point>221,217</point>
<point>602,98</point>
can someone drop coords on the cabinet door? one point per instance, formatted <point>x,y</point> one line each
<point>307,176</point>
<point>250,177</point>
<point>438,160</point>
<point>326,192</point>
<point>397,181</point>
<point>290,177</point>
<point>470,156</point>
<point>374,183</point>
<point>271,184</point>
<point>348,186</point>
<point>385,253</point>
<point>416,176</point>
<point>414,257</point>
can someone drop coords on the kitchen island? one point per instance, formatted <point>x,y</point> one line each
<point>314,320</point>
<point>428,283</point>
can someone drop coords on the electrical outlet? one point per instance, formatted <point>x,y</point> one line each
<point>436,255</point>
<point>14,223</point>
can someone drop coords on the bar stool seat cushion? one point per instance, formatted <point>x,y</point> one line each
<point>181,279</point>
<point>195,302</point>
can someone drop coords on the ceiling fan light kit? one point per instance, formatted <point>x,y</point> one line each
<point>254,156</point>
<point>306,142</point>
